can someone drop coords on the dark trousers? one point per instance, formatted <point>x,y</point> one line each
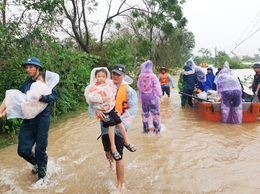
<point>184,97</point>
<point>35,131</point>
<point>166,89</point>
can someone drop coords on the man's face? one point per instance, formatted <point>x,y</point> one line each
<point>32,71</point>
<point>117,79</point>
<point>257,70</point>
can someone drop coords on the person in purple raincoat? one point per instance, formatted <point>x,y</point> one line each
<point>149,89</point>
<point>230,92</point>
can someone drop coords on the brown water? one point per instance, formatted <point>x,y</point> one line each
<point>190,155</point>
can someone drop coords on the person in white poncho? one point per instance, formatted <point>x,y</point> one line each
<point>100,95</point>
<point>27,106</point>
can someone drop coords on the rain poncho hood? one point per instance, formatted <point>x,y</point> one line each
<point>109,88</point>
<point>227,82</point>
<point>209,83</point>
<point>226,65</point>
<point>147,82</point>
<point>94,93</point>
<point>199,72</point>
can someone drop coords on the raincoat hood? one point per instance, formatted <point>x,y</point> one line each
<point>147,67</point>
<point>226,65</point>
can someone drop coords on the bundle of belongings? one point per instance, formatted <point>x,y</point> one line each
<point>211,96</point>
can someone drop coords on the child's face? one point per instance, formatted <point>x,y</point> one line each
<point>40,78</point>
<point>101,77</point>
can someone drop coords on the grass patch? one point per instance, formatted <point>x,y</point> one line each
<point>7,140</point>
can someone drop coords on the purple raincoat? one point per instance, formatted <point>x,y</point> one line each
<point>149,90</point>
<point>229,90</point>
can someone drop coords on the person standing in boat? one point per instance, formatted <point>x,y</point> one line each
<point>256,82</point>
<point>230,92</point>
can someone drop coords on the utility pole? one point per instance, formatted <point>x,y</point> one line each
<point>4,13</point>
<point>216,57</point>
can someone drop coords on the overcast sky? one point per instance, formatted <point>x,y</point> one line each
<point>222,24</point>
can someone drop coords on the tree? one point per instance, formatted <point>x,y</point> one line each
<point>120,12</point>
<point>205,52</point>
<point>78,20</point>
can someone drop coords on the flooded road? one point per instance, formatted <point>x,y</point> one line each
<point>189,156</point>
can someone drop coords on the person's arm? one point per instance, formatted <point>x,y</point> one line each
<point>171,80</point>
<point>92,96</point>
<point>157,87</point>
<point>257,89</point>
<point>53,97</point>
<point>36,91</point>
<point>159,78</point>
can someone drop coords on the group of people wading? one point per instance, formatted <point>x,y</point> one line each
<point>114,102</point>
<point>111,99</point>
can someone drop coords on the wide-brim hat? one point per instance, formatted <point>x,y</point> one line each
<point>32,61</point>
<point>164,68</point>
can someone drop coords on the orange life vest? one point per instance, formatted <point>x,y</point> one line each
<point>164,79</point>
<point>121,99</point>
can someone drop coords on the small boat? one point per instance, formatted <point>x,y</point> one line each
<point>211,111</point>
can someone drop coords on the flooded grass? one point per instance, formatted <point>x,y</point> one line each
<point>7,140</point>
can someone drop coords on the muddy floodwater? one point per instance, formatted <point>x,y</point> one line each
<point>189,156</point>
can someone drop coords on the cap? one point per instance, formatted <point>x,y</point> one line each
<point>119,69</point>
<point>187,68</point>
<point>32,61</point>
<point>256,65</point>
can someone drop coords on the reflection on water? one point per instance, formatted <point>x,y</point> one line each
<point>190,155</point>
<point>243,74</point>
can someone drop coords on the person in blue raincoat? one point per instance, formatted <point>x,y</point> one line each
<point>35,131</point>
<point>230,92</point>
<point>209,83</point>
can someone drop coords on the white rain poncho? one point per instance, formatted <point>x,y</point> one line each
<point>94,93</point>
<point>28,106</point>
<point>198,70</point>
